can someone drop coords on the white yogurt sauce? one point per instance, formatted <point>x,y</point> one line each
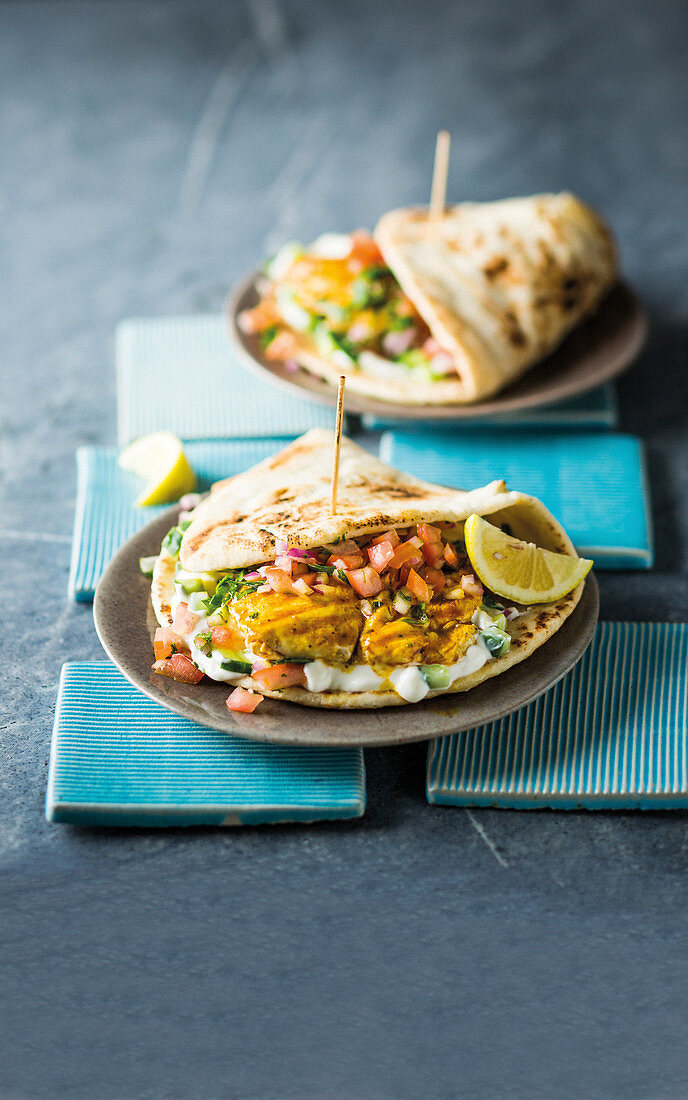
<point>322,677</point>
<point>408,682</point>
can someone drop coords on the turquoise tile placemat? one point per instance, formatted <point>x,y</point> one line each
<point>181,374</point>
<point>594,483</point>
<point>118,758</point>
<point>105,515</point>
<point>595,409</point>
<point>613,734</point>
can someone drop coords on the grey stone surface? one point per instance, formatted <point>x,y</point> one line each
<point>149,153</point>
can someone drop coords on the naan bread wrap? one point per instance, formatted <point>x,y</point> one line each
<point>466,302</point>
<point>500,284</point>
<point>286,499</point>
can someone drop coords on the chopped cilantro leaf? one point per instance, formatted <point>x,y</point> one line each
<point>267,336</point>
<point>231,587</point>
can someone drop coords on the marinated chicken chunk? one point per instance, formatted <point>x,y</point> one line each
<point>301,628</point>
<point>388,639</point>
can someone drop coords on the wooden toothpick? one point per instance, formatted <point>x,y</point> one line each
<point>438,193</point>
<point>337,442</point>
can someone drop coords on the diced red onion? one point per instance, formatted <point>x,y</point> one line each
<point>292,365</point>
<point>396,343</point>
<point>258,665</point>
<point>471,586</point>
<point>265,588</point>
<point>190,501</point>
<point>254,576</point>
<point>442,363</point>
<point>359,331</point>
<point>302,587</point>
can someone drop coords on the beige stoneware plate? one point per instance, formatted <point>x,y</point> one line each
<point>125,624</point>
<point>594,353</point>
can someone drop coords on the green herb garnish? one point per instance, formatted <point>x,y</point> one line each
<point>231,587</point>
<point>204,642</point>
<point>267,336</point>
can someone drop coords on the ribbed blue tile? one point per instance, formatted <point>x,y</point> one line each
<point>118,758</point>
<point>105,516</point>
<point>181,374</point>
<point>594,483</point>
<point>595,409</point>
<point>613,734</point>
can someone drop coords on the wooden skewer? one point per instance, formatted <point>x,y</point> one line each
<point>438,193</point>
<point>337,442</point>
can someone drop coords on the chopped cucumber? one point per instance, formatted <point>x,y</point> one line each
<point>497,641</point>
<point>147,565</point>
<point>237,666</point>
<point>415,358</point>
<point>197,602</point>
<point>436,676</point>
<point>194,582</point>
<point>291,312</point>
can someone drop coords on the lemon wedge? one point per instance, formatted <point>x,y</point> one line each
<point>520,571</point>
<point>160,459</point>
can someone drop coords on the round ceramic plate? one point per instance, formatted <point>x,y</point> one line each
<point>595,352</point>
<point>126,624</point>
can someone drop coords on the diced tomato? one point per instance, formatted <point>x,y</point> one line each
<point>450,555</point>
<point>260,317</point>
<point>178,667</point>
<point>433,553</point>
<point>428,533</point>
<point>434,577</point>
<point>405,552</point>
<point>165,639</point>
<point>278,580</point>
<point>471,586</point>
<point>244,701</point>
<point>388,536</point>
<point>403,574</point>
<point>346,561</point>
<point>418,587</point>
<point>365,581</point>
<point>284,346</point>
<point>226,637</point>
<point>279,676</point>
<point>364,252</point>
<point>380,555</point>
<point>184,620</point>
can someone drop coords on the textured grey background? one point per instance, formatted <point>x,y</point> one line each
<point>149,153</point>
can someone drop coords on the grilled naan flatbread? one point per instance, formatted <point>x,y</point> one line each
<point>500,284</point>
<point>287,498</point>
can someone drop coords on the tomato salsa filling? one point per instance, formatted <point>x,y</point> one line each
<point>341,296</point>
<point>396,611</point>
